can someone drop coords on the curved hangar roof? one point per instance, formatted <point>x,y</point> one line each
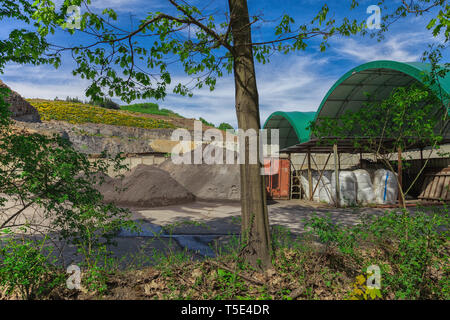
<point>378,78</point>
<point>292,126</point>
<point>348,93</point>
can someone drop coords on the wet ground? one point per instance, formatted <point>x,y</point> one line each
<point>196,226</point>
<point>199,226</point>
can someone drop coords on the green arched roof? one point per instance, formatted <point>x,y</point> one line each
<point>349,93</point>
<point>292,126</point>
<point>378,78</point>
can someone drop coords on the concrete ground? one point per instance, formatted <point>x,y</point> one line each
<point>223,218</point>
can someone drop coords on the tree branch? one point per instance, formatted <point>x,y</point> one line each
<point>209,31</point>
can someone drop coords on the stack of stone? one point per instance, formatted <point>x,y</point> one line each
<point>21,110</point>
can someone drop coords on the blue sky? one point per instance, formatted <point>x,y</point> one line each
<point>294,82</point>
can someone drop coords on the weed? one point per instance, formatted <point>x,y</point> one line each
<point>411,249</point>
<point>24,267</point>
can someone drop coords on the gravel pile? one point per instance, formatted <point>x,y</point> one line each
<point>145,186</point>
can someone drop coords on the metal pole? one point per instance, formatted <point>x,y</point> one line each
<point>336,174</point>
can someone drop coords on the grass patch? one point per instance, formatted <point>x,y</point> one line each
<point>328,262</point>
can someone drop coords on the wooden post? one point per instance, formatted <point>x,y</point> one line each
<point>421,158</point>
<point>321,173</point>
<point>399,177</point>
<point>310,176</point>
<point>297,174</point>
<point>336,174</point>
<point>360,160</point>
<point>291,176</point>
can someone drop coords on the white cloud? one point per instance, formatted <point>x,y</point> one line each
<point>121,5</point>
<point>399,47</point>
<point>141,6</point>
<point>299,85</point>
<point>43,82</point>
<point>292,83</point>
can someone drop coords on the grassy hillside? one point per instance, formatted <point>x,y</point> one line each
<point>150,108</point>
<point>73,112</point>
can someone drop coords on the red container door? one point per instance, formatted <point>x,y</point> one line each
<point>284,178</point>
<point>277,177</point>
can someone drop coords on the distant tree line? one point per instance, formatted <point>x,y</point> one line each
<point>107,103</point>
<point>222,126</point>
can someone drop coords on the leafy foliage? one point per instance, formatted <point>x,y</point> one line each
<point>439,23</point>
<point>24,46</point>
<point>361,291</point>
<point>123,65</point>
<point>46,176</point>
<point>410,248</point>
<point>24,267</point>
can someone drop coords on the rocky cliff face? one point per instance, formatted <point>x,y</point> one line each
<point>20,108</point>
<point>92,138</point>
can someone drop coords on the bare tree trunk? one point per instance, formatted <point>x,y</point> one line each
<point>255,221</point>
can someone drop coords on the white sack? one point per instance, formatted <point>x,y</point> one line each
<point>305,184</point>
<point>325,194</point>
<point>385,187</point>
<point>347,184</point>
<point>365,192</point>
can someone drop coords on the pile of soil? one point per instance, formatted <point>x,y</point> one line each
<point>145,186</point>
<point>207,181</point>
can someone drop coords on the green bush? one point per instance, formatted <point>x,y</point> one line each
<point>47,174</point>
<point>414,245</point>
<point>334,235</point>
<point>26,269</point>
<point>411,250</point>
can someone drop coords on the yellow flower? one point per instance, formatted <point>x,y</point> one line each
<point>82,113</point>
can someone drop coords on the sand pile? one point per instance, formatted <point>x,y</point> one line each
<point>207,181</point>
<point>145,186</point>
